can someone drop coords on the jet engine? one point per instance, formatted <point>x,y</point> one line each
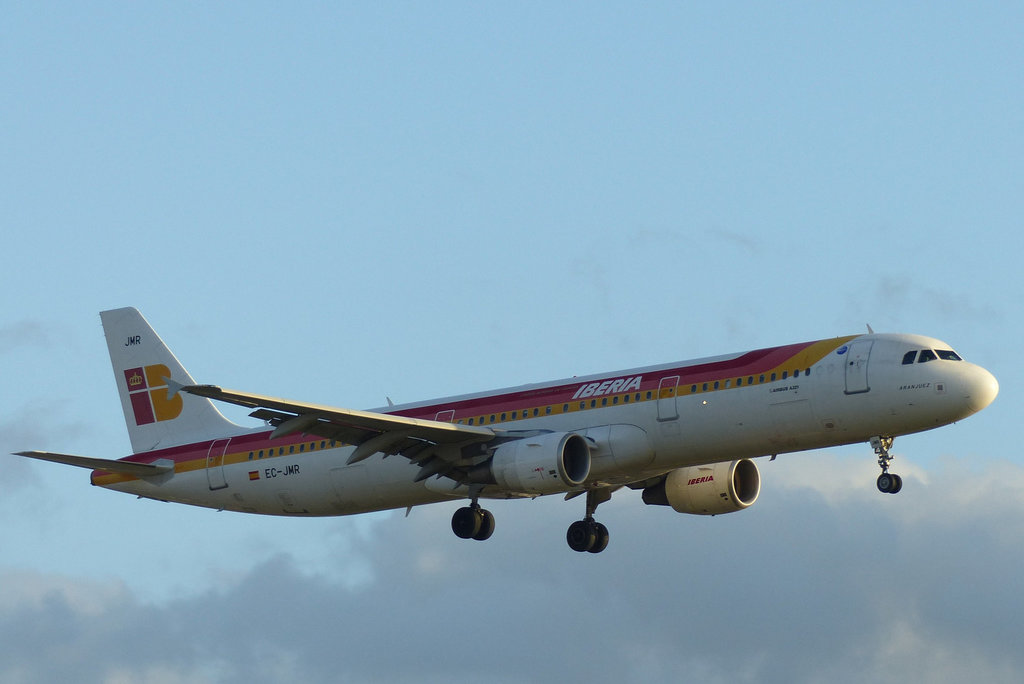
<point>708,490</point>
<point>543,464</point>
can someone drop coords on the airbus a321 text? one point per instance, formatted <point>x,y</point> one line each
<point>683,433</point>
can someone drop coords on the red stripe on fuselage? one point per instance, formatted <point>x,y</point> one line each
<point>751,363</point>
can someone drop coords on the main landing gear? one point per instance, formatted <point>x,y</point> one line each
<point>888,483</point>
<point>473,522</point>
<point>588,534</point>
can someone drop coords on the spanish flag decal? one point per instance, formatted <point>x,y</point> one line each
<point>254,475</point>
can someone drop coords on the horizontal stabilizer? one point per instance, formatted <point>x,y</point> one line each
<point>125,467</point>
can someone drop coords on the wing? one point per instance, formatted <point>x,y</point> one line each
<point>438,448</point>
<point>126,467</point>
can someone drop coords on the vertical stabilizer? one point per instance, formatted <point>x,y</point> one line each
<point>156,416</point>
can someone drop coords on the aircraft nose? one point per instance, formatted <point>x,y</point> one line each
<point>981,388</point>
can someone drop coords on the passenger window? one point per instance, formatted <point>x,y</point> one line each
<point>773,377</point>
<point>926,356</point>
<point>948,355</point>
<point>470,421</point>
<point>908,358</point>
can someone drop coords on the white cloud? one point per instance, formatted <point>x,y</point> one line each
<point>805,586</point>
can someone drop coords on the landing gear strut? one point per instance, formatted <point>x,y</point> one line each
<point>888,483</point>
<point>588,534</point>
<point>473,522</point>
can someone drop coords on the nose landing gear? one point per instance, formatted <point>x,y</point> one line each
<point>888,483</point>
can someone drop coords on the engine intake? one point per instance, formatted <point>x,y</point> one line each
<point>544,464</point>
<point>708,490</point>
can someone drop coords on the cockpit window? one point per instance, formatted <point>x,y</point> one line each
<point>926,355</point>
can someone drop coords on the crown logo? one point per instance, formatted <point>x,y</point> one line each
<point>135,380</point>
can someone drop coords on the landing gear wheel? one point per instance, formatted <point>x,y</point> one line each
<point>467,522</point>
<point>473,522</point>
<point>888,483</point>
<point>588,534</point>
<point>581,535</point>
<point>486,526</point>
<point>600,538</point>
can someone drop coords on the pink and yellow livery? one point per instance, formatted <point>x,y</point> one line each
<point>683,434</point>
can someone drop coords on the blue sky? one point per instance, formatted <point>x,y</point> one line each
<point>340,204</point>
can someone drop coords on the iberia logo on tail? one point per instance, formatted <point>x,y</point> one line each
<point>147,388</point>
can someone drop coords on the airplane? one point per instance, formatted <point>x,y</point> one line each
<point>685,434</point>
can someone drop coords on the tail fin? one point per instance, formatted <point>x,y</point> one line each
<point>156,415</point>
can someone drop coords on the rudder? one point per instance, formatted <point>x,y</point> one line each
<point>155,416</point>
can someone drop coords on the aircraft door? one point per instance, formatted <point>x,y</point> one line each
<point>215,464</point>
<point>857,366</point>
<point>667,398</point>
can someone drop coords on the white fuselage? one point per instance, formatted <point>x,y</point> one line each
<point>800,397</point>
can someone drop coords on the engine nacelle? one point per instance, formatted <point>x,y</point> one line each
<point>708,490</point>
<point>544,464</point>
